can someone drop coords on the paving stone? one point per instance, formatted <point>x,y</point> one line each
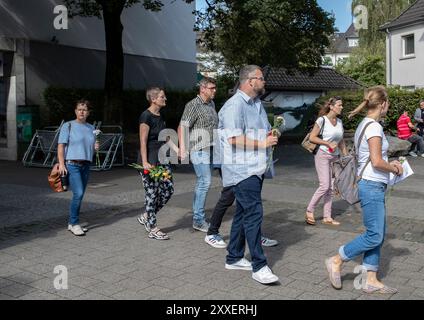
<point>116,260</point>
<point>17,290</point>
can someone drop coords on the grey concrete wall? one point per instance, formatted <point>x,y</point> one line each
<point>167,34</point>
<point>48,64</point>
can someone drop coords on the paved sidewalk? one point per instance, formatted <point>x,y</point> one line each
<point>116,260</point>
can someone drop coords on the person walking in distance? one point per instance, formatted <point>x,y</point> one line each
<point>75,151</point>
<point>331,145</point>
<point>372,146</point>
<point>157,193</point>
<point>244,140</point>
<point>196,131</point>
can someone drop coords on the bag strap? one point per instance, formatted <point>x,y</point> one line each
<point>69,136</point>
<point>359,145</point>
<point>322,128</point>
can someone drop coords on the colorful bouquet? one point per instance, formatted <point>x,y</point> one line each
<point>276,132</point>
<point>97,133</point>
<point>156,173</point>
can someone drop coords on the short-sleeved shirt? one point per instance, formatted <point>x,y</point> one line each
<point>403,130</point>
<point>201,119</point>
<point>242,116</point>
<point>79,139</point>
<point>156,125</point>
<point>373,130</point>
<point>330,133</point>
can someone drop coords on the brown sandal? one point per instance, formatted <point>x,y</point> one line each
<point>310,221</point>
<point>331,222</point>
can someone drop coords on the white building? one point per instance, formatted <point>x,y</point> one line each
<point>405,48</point>
<point>159,47</point>
<point>341,46</point>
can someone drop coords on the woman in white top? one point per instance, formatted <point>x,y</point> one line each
<point>372,154</point>
<point>328,134</point>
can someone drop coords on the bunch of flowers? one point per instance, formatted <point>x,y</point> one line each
<point>156,173</point>
<point>97,133</point>
<point>276,132</point>
<point>392,188</point>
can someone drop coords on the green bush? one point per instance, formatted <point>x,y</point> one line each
<point>60,103</point>
<point>400,100</point>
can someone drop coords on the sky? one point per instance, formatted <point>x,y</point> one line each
<point>341,9</point>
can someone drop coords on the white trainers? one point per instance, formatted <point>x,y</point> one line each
<point>413,154</point>
<point>216,241</point>
<point>242,264</point>
<point>76,230</point>
<point>264,276</point>
<point>267,242</point>
<point>82,228</point>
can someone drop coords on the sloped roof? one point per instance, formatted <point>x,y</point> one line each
<point>323,80</point>
<point>351,32</point>
<point>414,14</point>
<point>340,43</point>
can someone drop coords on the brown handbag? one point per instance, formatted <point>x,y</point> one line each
<point>54,179</point>
<point>308,145</point>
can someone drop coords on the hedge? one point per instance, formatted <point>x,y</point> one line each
<point>399,99</point>
<point>60,103</point>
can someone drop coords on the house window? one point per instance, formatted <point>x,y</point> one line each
<point>408,44</point>
<point>353,42</point>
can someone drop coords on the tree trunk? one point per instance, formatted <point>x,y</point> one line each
<point>114,79</point>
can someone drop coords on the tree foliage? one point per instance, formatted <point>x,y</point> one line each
<point>379,13</point>
<point>280,33</point>
<point>365,67</point>
<point>367,63</point>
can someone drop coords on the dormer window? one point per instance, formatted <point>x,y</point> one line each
<point>408,46</point>
<point>353,42</point>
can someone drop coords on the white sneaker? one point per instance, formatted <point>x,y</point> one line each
<point>413,154</point>
<point>216,241</point>
<point>242,264</point>
<point>422,155</point>
<point>267,242</point>
<point>77,230</point>
<point>264,276</point>
<point>82,228</point>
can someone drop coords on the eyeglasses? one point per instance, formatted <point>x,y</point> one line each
<point>211,88</point>
<point>259,78</point>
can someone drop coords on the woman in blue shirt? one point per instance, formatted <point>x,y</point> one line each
<point>75,152</point>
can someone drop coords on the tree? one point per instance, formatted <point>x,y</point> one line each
<point>110,11</point>
<point>367,68</point>
<point>280,33</point>
<point>367,63</point>
<point>379,13</point>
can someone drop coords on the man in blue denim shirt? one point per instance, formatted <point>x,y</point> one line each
<point>243,137</point>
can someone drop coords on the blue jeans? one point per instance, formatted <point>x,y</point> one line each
<point>372,196</point>
<point>202,166</point>
<point>247,223</point>
<point>78,178</point>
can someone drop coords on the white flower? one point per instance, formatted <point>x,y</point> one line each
<point>97,132</point>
